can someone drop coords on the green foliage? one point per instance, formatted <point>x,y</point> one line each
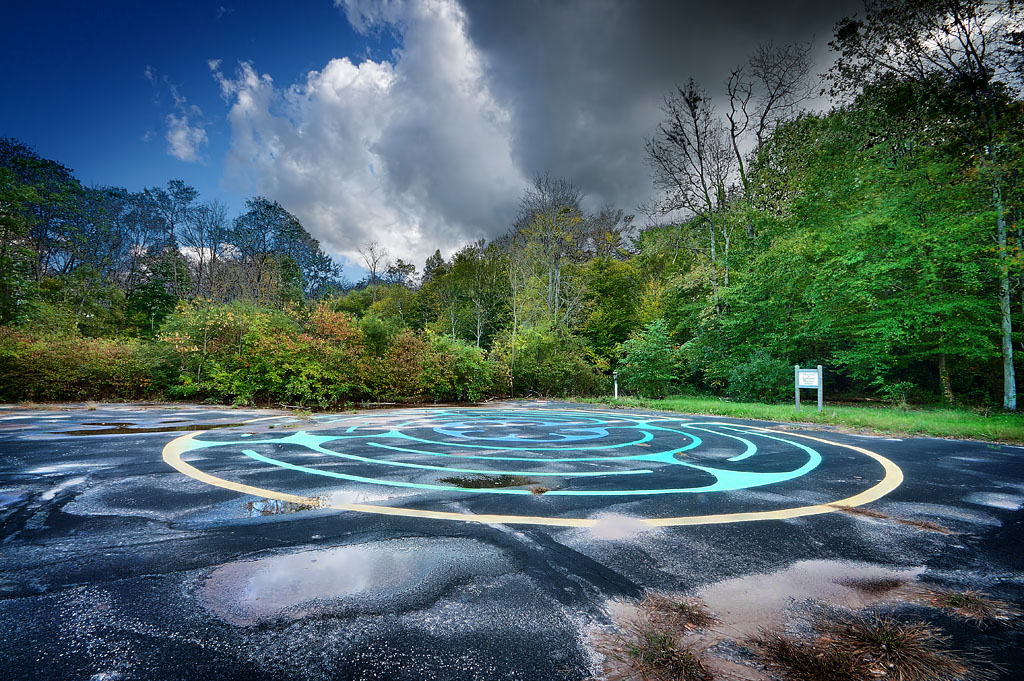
<point>762,378</point>
<point>537,362</point>
<point>613,301</point>
<point>245,354</point>
<point>70,367</point>
<point>395,374</point>
<point>649,360</point>
<point>453,371</point>
<point>860,238</point>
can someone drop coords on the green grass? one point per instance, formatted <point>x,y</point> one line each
<point>954,423</point>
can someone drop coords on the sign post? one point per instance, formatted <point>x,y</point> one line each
<point>615,378</point>
<point>809,378</point>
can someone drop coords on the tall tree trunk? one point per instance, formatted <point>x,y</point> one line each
<point>944,380</point>
<point>1006,327</point>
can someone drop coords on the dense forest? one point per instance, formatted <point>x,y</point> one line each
<point>880,238</point>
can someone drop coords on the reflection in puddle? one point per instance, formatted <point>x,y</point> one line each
<point>357,577</point>
<point>616,526</point>
<point>1010,502</point>
<point>747,604</point>
<point>120,430</point>
<point>265,507</point>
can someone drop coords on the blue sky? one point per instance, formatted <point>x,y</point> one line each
<point>413,123</point>
<point>77,89</point>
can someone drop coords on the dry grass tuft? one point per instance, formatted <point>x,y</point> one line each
<point>90,405</point>
<point>649,653</point>
<point>863,648</point>
<point>859,510</point>
<point>875,586</point>
<point>540,489</point>
<point>971,604</point>
<point>805,660</point>
<point>677,613</point>
<point>926,525</point>
<point>885,647</point>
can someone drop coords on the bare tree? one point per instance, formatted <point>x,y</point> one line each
<point>375,258</point>
<point>202,235</point>
<point>547,196</point>
<point>691,160</point>
<point>769,89</point>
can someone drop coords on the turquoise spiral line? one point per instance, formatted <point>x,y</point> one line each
<point>725,479</point>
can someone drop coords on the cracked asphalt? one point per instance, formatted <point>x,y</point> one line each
<point>115,565</point>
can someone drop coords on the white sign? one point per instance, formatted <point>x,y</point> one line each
<point>807,378</point>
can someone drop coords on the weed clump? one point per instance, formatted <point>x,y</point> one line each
<point>973,605</point>
<point>862,648</point>
<point>678,613</point>
<point>885,646</point>
<point>805,660</point>
<point>650,653</point>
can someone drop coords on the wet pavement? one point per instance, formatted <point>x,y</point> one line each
<point>186,541</point>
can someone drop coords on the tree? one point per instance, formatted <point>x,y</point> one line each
<point>272,247</point>
<point>768,90</point>
<point>965,50</point>
<point>203,235</point>
<point>173,206</point>
<point>690,160</point>
<point>648,360</point>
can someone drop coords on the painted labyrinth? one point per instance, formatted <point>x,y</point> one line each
<point>560,467</point>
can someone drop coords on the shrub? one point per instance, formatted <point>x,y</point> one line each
<point>246,354</point>
<point>69,367</point>
<point>396,373</point>
<point>538,361</point>
<point>762,378</point>
<point>648,361</point>
<point>454,371</point>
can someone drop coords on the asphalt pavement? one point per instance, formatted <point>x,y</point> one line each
<point>492,542</point>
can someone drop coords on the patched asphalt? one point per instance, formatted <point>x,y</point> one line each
<point>114,565</point>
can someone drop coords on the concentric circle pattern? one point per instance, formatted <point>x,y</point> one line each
<point>560,462</point>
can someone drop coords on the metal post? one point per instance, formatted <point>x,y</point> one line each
<point>615,378</point>
<point>796,384</point>
<point>821,388</point>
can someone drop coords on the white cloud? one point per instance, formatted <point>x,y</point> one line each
<point>414,153</point>
<point>185,130</point>
<point>184,140</point>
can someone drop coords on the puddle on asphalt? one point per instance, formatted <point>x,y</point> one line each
<point>748,604</point>
<point>268,507</point>
<point>366,576</point>
<point>8,498</point>
<point>745,606</point>
<point>158,429</point>
<point>481,481</point>
<point>1010,502</point>
<point>613,526</point>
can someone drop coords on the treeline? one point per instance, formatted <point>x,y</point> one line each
<point>881,239</point>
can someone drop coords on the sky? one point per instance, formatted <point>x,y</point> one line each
<point>416,124</point>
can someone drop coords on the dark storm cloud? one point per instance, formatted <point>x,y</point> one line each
<point>584,80</point>
<point>432,147</point>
